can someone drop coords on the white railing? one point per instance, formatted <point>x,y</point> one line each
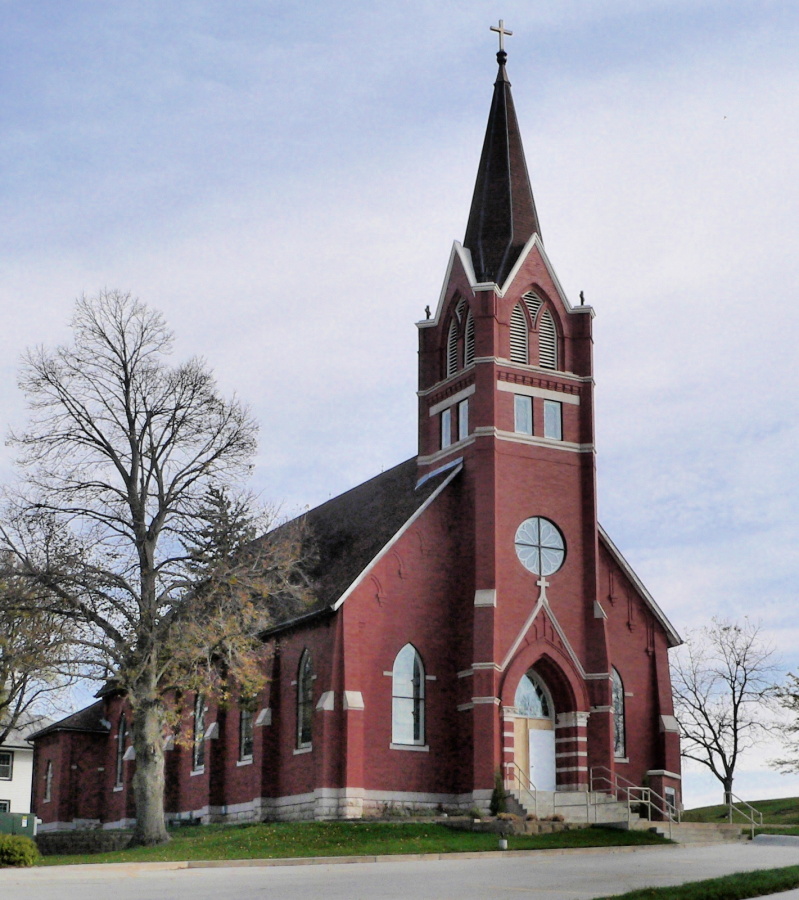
<point>751,815</point>
<point>605,781</point>
<point>517,782</point>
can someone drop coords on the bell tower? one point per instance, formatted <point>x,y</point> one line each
<point>506,390</point>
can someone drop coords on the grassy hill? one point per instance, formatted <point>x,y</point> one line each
<point>784,811</point>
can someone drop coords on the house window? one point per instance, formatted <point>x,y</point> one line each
<point>120,748</point>
<point>553,420</point>
<point>304,701</point>
<point>446,428</point>
<point>5,806</point>
<point>198,737</point>
<point>463,420</point>
<point>522,414</point>
<point>245,731</point>
<point>407,714</point>
<point>48,781</point>
<point>6,764</point>
<point>619,741</point>
<point>518,335</point>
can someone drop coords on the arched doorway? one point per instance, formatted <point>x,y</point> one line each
<point>534,731</point>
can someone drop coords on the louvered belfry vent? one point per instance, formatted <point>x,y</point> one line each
<point>452,347</point>
<point>533,304</point>
<point>468,354</point>
<point>518,335</point>
<point>547,342</point>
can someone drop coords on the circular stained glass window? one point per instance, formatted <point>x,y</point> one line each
<point>540,546</point>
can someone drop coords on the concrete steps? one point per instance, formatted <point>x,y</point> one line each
<point>581,807</point>
<point>695,832</point>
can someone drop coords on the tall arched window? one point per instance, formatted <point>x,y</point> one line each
<point>518,335</point>
<point>619,739</point>
<point>120,750</point>
<point>407,689</point>
<point>198,736</point>
<point>304,701</point>
<point>547,342</point>
<point>48,781</point>
<point>452,347</point>
<point>468,344</point>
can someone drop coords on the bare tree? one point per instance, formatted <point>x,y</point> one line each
<point>36,658</point>
<point>723,680</point>
<point>130,523</point>
<point>788,697</point>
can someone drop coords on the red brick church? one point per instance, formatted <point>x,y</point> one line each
<point>472,616</point>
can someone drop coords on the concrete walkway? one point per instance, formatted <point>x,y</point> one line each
<point>562,875</point>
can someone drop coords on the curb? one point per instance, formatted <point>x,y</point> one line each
<point>411,857</point>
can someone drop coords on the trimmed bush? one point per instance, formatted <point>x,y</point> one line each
<point>499,795</point>
<point>17,850</point>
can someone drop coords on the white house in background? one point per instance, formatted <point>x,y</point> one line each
<point>16,766</point>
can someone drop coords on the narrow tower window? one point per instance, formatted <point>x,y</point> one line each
<point>304,701</point>
<point>619,740</point>
<point>523,414</point>
<point>547,342</point>
<point>446,428</point>
<point>463,420</point>
<point>452,347</point>
<point>553,420</point>
<point>469,340</point>
<point>518,335</point>
<point>407,717</point>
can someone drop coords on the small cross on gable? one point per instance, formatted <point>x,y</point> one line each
<point>501,31</point>
<point>543,584</point>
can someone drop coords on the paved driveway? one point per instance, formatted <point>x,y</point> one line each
<point>575,875</point>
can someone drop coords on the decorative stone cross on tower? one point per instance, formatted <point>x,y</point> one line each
<point>543,584</point>
<point>501,31</point>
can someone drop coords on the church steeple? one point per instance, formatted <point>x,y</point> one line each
<point>502,217</point>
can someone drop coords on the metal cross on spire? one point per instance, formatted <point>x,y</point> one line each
<point>501,31</point>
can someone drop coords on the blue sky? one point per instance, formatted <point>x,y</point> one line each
<point>284,182</point>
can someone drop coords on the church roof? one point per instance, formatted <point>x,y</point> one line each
<point>349,531</point>
<point>502,217</point>
<point>88,719</point>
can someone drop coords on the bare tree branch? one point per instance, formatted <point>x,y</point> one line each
<point>723,680</point>
<point>130,525</point>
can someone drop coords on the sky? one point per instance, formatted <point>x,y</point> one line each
<point>284,182</point>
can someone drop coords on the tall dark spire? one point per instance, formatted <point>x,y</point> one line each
<point>503,217</point>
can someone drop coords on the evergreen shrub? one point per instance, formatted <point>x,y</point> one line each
<point>17,850</point>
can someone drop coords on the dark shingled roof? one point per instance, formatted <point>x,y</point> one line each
<point>348,531</point>
<point>89,719</point>
<point>502,217</point>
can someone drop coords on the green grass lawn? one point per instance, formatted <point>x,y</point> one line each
<point>280,840</point>
<point>784,811</point>
<point>730,887</point>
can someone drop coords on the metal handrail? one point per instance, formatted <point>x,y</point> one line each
<point>634,794</point>
<point>520,781</point>
<point>749,817</point>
